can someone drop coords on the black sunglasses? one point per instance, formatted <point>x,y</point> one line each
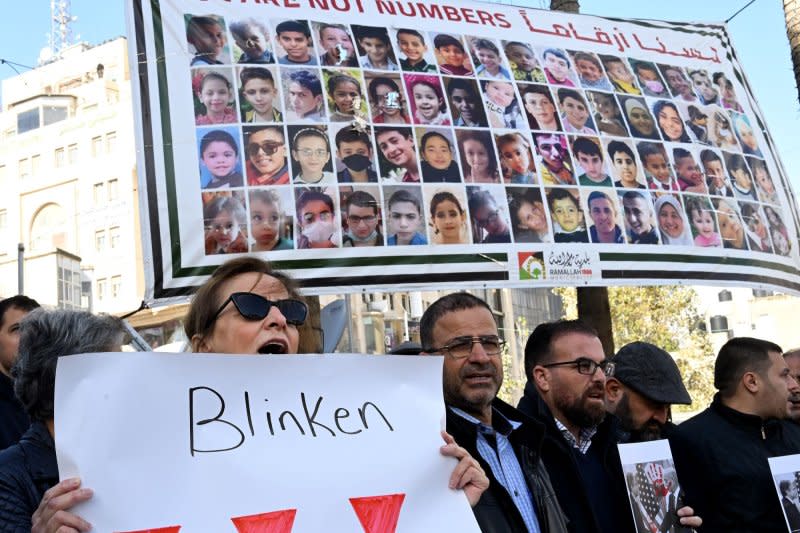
<point>268,147</point>
<point>255,307</point>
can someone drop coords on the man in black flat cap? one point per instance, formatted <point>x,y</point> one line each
<point>646,382</point>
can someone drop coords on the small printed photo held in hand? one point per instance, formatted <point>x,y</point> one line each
<point>786,474</point>
<point>653,487</point>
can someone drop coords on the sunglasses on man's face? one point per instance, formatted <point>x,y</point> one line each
<point>268,147</point>
<point>255,307</point>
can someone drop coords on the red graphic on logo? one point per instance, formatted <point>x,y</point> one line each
<point>170,529</point>
<point>274,522</point>
<point>378,514</point>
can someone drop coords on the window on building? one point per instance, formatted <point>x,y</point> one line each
<point>72,154</point>
<point>97,146</point>
<point>99,193</point>
<point>113,190</point>
<point>111,141</point>
<point>50,229</point>
<point>116,286</point>
<point>4,236</point>
<point>53,113</point>
<point>35,165</point>
<point>27,120</point>
<point>101,288</point>
<point>24,168</point>
<point>69,283</point>
<point>100,240</point>
<point>113,237</point>
<point>59,158</point>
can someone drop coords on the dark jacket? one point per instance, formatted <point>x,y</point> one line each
<point>495,511</point>
<point>792,514</point>
<point>13,419</point>
<point>721,459</point>
<point>558,457</point>
<point>27,470</point>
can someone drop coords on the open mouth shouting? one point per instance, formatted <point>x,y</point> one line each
<point>274,346</point>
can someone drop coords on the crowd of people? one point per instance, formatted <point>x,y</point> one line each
<point>549,465</point>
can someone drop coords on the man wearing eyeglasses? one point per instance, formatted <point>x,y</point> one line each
<point>363,220</point>
<point>520,497</point>
<point>566,370</point>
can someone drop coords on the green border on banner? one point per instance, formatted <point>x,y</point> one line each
<point>696,259</point>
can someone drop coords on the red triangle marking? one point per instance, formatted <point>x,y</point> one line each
<point>274,522</point>
<point>170,529</point>
<point>378,514</point>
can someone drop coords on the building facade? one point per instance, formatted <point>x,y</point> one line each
<point>741,312</point>
<point>68,176</point>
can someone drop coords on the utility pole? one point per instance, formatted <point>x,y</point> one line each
<point>20,268</point>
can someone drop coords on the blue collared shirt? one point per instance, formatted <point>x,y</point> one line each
<point>504,463</point>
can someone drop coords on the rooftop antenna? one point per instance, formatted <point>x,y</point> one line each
<point>61,36</point>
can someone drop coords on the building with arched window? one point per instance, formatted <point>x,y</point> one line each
<point>68,182</point>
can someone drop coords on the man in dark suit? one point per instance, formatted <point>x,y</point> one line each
<point>789,501</point>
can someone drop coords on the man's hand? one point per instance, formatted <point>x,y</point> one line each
<point>687,517</point>
<point>53,516</point>
<point>468,474</point>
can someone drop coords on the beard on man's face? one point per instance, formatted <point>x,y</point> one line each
<point>650,430</point>
<point>583,412</point>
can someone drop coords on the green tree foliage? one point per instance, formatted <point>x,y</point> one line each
<point>667,317</point>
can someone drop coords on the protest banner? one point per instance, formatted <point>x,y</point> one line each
<point>393,144</point>
<point>241,443</point>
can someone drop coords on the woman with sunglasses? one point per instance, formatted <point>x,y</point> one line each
<point>266,156</point>
<point>245,307</point>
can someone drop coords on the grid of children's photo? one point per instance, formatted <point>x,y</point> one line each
<point>314,135</point>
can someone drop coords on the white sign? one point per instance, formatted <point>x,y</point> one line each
<point>198,443</point>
